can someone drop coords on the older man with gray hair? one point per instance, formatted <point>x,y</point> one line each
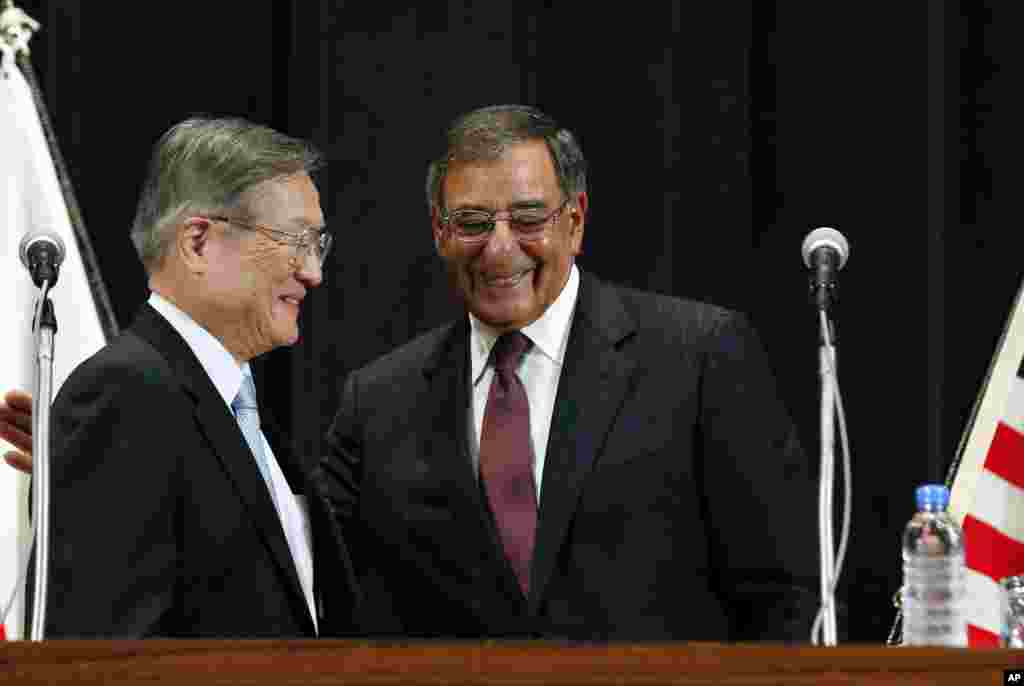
<point>176,510</point>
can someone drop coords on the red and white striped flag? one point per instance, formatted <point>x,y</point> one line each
<point>31,198</point>
<point>988,492</point>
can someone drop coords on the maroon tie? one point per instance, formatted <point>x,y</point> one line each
<point>506,457</point>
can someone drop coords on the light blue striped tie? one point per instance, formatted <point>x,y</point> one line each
<point>247,414</point>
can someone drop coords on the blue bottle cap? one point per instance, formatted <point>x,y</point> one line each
<point>932,497</point>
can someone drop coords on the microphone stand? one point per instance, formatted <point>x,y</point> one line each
<point>46,326</point>
<point>825,251</point>
<point>826,484</point>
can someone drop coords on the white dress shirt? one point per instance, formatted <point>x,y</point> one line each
<point>226,375</point>
<point>539,371</point>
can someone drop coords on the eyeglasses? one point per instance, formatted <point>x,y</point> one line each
<point>316,242</point>
<point>475,226</point>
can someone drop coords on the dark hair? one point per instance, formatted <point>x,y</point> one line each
<point>486,133</point>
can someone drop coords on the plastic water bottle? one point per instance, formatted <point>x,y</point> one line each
<point>934,574</point>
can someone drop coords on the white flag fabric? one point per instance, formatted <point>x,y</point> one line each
<point>988,492</point>
<point>31,198</point>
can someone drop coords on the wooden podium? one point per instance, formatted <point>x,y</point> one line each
<point>279,663</point>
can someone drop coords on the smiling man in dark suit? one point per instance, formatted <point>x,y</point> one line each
<point>176,511</point>
<point>571,459</point>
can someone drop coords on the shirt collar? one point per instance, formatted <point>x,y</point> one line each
<point>549,333</point>
<point>223,370</point>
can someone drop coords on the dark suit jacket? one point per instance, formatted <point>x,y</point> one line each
<point>161,522</point>
<point>675,501</point>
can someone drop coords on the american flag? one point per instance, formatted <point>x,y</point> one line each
<point>988,488</point>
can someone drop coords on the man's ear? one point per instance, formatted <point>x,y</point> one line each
<point>578,219</point>
<point>191,241</point>
<point>437,229</point>
<point>581,203</point>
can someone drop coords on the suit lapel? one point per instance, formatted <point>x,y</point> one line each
<point>446,447</point>
<point>591,389</point>
<point>221,430</point>
<point>445,427</point>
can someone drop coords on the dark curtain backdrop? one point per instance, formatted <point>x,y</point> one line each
<point>718,135</point>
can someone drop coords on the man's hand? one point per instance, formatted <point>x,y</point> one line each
<point>16,428</point>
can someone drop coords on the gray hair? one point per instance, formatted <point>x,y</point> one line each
<point>205,165</point>
<point>485,134</point>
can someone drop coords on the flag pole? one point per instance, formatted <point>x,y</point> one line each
<point>16,29</point>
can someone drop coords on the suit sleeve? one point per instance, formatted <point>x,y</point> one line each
<point>342,465</point>
<point>337,588</point>
<point>115,480</point>
<point>760,497</point>
<point>341,472</point>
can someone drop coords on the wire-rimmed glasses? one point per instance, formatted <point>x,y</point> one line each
<point>316,242</point>
<point>475,226</point>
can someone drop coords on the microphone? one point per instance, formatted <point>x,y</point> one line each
<point>42,252</point>
<point>825,251</point>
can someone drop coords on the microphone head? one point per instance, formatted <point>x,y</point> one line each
<point>41,236</point>
<point>825,237</point>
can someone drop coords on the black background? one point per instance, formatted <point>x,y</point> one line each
<point>718,135</point>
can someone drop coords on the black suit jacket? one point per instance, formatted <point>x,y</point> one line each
<point>161,522</point>
<point>675,501</point>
